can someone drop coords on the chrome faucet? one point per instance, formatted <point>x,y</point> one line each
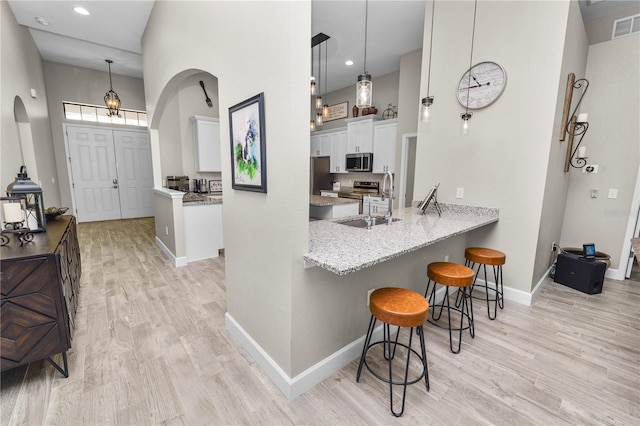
<point>388,216</point>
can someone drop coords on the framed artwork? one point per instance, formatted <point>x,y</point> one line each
<point>215,186</point>
<point>337,111</point>
<point>248,145</point>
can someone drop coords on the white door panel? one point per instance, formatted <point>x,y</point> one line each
<point>133,155</point>
<point>93,170</point>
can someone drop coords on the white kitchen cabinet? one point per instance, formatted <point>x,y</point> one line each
<point>338,152</point>
<point>321,145</point>
<point>384,146</point>
<point>203,236</point>
<point>378,206</point>
<point>360,134</point>
<point>206,143</point>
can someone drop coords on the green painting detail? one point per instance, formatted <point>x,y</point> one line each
<point>247,151</point>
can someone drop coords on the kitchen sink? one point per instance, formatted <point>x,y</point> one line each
<point>361,223</point>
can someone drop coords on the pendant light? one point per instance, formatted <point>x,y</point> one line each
<point>313,79</point>
<point>325,108</point>
<point>428,101</point>
<point>111,99</point>
<point>364,86</point>
<point>318,96</point>
<point>466,116</point>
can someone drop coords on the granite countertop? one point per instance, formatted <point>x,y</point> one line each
<point>318,200</point>
<point>343,249</point>
<point>193,199</point>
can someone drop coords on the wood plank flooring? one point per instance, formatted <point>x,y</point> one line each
<point>151,348</point>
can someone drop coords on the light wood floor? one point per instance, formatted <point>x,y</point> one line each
<point>151,348</point>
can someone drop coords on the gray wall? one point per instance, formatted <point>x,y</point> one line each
<point>600,29</point>
<point>22,70</point>
<point>82,85</point>
<point>612,141</point>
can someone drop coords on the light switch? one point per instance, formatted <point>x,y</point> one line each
<point>459,192</point>
<point>613,193</point>
<point>594,193</point>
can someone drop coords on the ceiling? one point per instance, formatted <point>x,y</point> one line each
<point>114,31</point>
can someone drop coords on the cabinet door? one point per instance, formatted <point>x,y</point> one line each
<point>365,136</point>
<point>315,146</point>
<point>325,145</point>
<point>384,148</point>
<point>338,152</point>
<point>206,133</point>
<point>352,138</point>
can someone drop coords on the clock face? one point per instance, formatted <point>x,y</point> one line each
<point>481,85</point>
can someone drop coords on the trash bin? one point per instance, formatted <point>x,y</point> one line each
<point>600,256</point>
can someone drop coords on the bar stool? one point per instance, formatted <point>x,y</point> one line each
<point>402,308</point>
<point>449,275</point>
<point>482,257</point>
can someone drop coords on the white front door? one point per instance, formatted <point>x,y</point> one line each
<point>135,179</point>
<point>94,174</point>
<point>110,172</point>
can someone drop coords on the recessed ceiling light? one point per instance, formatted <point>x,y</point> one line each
<point>81,11</point>
<point>40,20</point>
<point>349,62</point>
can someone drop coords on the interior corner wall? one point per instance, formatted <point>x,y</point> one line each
<point>83,85</point>
<point>502,163</point>
<point>408,97</point>
<point>557,181</point>
<point>266,235</point>
<point>612,142</point>
<point>22,70</point>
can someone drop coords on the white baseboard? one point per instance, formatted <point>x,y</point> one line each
<point>615,274</point>
<point>294,387</point>
<point>177,261</point>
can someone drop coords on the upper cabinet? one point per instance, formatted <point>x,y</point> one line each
<point>320,145</point>
<point>360,134</point>
<point>206,135</point>
<point>338,152</point>
<point>384,146</point>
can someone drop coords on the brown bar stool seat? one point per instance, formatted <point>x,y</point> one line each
<point>402,308</point>
<point>449,274</point>
<point>481,257</point>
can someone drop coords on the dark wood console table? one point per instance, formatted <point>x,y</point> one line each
<point>39,286</point>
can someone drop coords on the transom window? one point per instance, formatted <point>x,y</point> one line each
<point>98,114</point>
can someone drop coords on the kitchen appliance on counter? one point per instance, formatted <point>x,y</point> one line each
<point>200,186</point>
<point>179,183</point>
<point>359,190</point>
<point>360,162</point>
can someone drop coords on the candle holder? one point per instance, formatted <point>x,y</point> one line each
<point>16,227</point>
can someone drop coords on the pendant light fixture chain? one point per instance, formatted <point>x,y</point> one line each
<point>366,20</point>
<point>473,37</point>
<point>433,8</point>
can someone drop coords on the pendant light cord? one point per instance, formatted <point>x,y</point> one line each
<point>366,19</point>
<point>433,8</point>
<point>325,74</point>
<point>473,36</point>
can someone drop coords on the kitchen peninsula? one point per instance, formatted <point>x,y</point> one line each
<point>332,207</point>
<point>343,249</point>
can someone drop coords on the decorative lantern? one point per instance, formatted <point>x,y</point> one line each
<point>31,192</point>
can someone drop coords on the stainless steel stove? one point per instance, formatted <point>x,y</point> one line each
<point>360,189</point>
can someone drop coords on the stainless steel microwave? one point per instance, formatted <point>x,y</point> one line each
<point>360,162</point>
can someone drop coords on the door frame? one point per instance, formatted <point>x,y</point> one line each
<point>67,152</point>
<point>403,164</point>
<point>632,227</point>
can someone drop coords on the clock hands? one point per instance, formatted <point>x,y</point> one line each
<point>477,85</point>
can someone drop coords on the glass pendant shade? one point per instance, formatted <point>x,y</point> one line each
<point>464,124</point>
<point>426,109</point>
<point>111,98</point>
<point>364,87</point>
<point>313,88</point>
<point>318,102</point>
<point>312,125</point>
<point>325,110</point>
<point>319,120</point>
<point>22,187</point>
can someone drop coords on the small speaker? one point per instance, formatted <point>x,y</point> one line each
<point>583,275</point>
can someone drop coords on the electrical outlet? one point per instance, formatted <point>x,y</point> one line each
<point>553,246</point>
<point>166,230</point>
<point>590,169</point>
<point>459,192</point>
<point>446,258</point>
<point>613,193</point>
<point>371,290</point>
<point>594,193</point>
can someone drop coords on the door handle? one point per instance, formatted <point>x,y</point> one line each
<point>115,181</point>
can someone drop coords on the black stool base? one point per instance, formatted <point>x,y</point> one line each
<point>497,299</point>
<point>466,312</point>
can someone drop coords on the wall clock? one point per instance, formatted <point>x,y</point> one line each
<point>482,84</point>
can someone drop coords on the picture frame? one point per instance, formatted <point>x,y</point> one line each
<point>337,111</point>
<point>215,186</point>
<point>248,145</point>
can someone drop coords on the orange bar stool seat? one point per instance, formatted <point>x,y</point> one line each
<point>397,307</point>
<point>451,275</point>
<point>479,258</point>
